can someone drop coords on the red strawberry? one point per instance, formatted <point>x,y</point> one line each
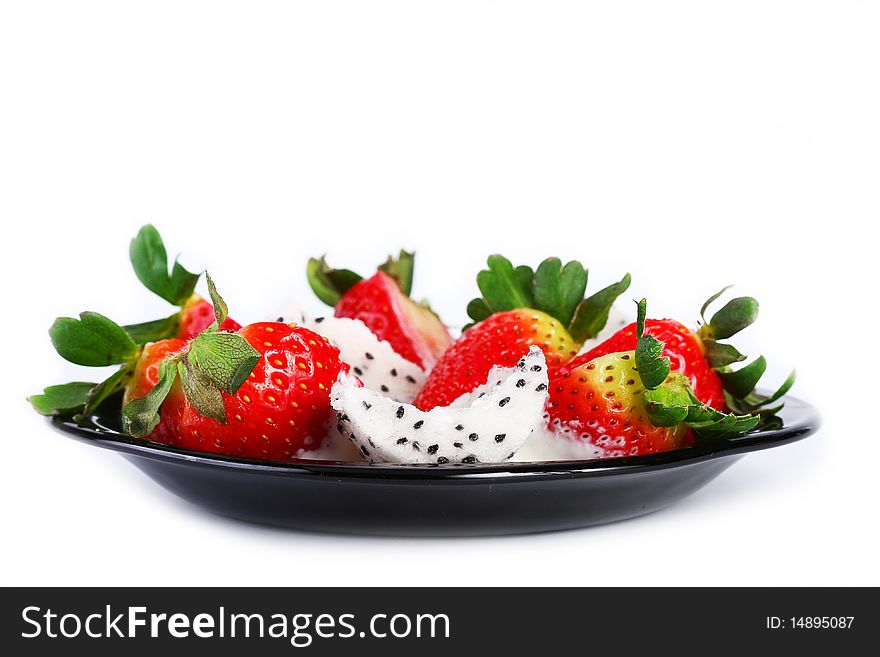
<point>519,308</point>
<point>602,402</point>
<point>696,354</point>
<point>146,375</point>
<point>683,347</point>
<point>282,407</point>
<point>382,303</point>
<point>261,392</point>
<point>632,402</point>
<point>502,339</point>
<point>196,315</point>
<point>146,369</point>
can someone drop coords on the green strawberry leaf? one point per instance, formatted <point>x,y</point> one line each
<point>652,366</point>
<point>61,399</point>
<point>502,287</point>
<point>591,314</point>
<point>159,329</point>
<point>478,309</point>
<point>92,340</point>
<point>558,290</point>
<point>110,386</point>
<point>401,270</point>
<point>712,300</point>
<point>669,404</point>
<point>150,262</point>
<point>327,283</point>
<point>525,278</point>
<point>200,391</point>
<point>140,416</point>
<point>221,310</point>
<point>546,291</point>
<point>742,382</point>
<point>226,359</point>
<point>720,354</point>
<point>674,403</point>
<point>756,400</point>
<point>733,317</point>
<point>725,426</point>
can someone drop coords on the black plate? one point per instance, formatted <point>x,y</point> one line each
<point>449,500</point>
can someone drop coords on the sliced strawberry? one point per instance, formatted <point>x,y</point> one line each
<point>413,330</point>
<point>382,303</point>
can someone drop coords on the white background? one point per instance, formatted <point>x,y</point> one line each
<point>691,143</point>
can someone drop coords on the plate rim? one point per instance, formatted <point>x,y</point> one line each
<point>806,423</point>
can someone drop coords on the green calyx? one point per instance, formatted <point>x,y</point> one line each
<point>670,400</point>
<point>652,365</point>
<point>64,398</point>
<point>150,262</point>
<point>553,288</point>
<point>674,403</point>
<point>94,341</point>
<point>330,284</point>
<point>740,384</point>
<point>214,363</point>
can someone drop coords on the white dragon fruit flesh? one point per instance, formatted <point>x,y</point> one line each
<point>372,360</point>
<point>487,425</point>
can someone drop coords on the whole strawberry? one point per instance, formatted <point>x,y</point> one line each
<point>602,402</point>
<point>382,303</point>
<point>683,347</point>
<point>696,354</point>
<point>520,308</point>
<point>261,392</point>
<point>633,402</point>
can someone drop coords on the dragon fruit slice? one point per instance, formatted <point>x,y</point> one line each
<point>487,425</point>
<point>372,360</point>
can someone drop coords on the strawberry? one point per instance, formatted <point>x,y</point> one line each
<point>149,260</point>
<point>683,347</point>
<point>601,401</point>
<point>262,392</point>
<point>696,354</point>
<point>281,408</point>
<point>382,303</point>
<point>634,402</point>
<point>145,374</point>
<point>501,339</point>
<point>146,369</point>
<point>519,308</point>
